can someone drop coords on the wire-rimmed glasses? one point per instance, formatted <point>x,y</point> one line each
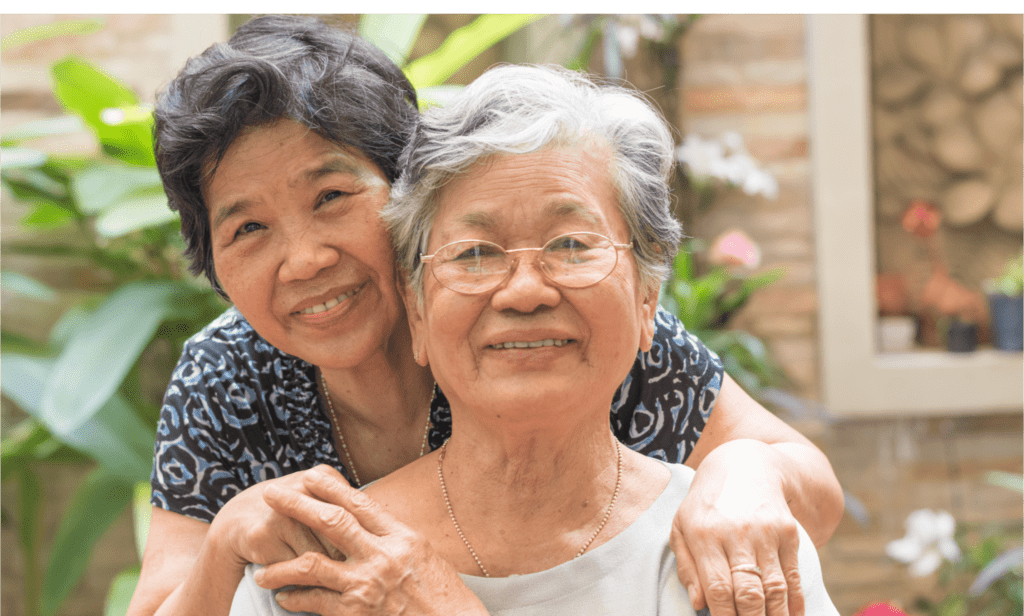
<point>573,260</point>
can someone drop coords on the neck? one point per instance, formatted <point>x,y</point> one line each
<point>547,496</point>
<point>381,406</point>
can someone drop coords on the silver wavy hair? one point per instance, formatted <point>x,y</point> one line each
<point>525,109</point>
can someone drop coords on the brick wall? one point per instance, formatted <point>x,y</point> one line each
<point>749,74</point>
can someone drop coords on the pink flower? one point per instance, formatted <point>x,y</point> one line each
<point>881,609</point>
<point>921,218</point>
<point>734,247</point>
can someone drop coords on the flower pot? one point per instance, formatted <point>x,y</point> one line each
<point>961,337</point>
<point>896,334</point>
<point>1007,321</point>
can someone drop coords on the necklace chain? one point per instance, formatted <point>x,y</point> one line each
<point>472,552</point>
<point>341,437</point>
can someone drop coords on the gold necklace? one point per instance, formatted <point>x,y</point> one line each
<point>341,437</point>
<point>472,552</point>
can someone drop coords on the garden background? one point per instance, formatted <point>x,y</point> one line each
<point>941,122</point>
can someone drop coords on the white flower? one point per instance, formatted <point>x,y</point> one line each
<point>725,160</point>
<point>929,539</point>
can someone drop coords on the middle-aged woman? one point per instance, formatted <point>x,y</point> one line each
<point>278,149</point>
<point>533,218</point>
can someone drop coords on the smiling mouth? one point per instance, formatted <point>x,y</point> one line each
<point>331,303</point>
<point>547,342</point>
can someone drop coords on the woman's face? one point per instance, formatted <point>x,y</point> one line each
<point>522,201</point>
<point>299,247</point>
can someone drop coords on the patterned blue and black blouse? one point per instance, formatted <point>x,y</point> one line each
<point>239,411</point>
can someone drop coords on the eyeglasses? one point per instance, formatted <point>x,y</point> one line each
<point>573,260</point>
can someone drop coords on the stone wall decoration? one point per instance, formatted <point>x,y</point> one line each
<point>948,120</point>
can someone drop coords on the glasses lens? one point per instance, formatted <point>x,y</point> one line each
<point>579,260</point>
<point>470,267</point>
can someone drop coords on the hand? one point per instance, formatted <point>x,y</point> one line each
<point>390,569</point>
<point>736,514</point>
<point>253,532</point>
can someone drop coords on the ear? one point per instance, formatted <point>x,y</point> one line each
<point>414,314</point>
<point>648,308</point>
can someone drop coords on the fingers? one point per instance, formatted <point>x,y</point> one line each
<point>791,572</point>
<point>329,524</point>
<point>328,485</point>
<point>310,569</point>
<point>686,567</point>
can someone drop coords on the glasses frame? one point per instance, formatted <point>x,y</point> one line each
<point>429,259</point>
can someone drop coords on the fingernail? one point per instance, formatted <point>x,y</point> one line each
<point>258,576</point>
<point>282,596</point>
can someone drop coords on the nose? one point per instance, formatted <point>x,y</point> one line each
<point>526,289</point>
<point>305,254</point>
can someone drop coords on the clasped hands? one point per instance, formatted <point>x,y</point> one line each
<point>343,554</point>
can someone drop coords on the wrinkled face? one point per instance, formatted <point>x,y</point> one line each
<point>299,247</point>
<point>589,337</point>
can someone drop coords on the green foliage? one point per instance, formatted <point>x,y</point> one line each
<point>705,304</point>
<point>81,387</point>
<point>1011,281</point>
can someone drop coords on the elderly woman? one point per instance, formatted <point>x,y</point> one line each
<point>533,221</point>
<point>278,149</point>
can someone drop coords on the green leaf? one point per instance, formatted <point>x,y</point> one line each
<point>462,46</point>
<point>45,31</point>
<point>29,514</point>
<point>92,94</point>
<point>121,590</point>
<point>137,213</point>
<point>34,184</point>
<point>141,509</point>
<point>392,34</point>
<point>25,286</point>
<point>18,445</point>
<point>66,326</point>
<point>103,185</point>
<point>17,158</point>
<point>48,127</point>
<point>86,90</point>
<point>100,498</point>
<point>97,357</point>
<point>47,215</point>
<point>23,378</point>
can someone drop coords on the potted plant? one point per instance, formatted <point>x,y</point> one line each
<point>897,327</point>
<point>1006,305</point>
<point>961,311</point>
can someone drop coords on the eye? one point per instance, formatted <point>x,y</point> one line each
<point>473,252</point>
<point>331,196</point>
<point>568,243</point>
<point>248,228</point>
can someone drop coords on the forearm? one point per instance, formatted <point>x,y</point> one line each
<point>812,491</point>
<point>209,587</point>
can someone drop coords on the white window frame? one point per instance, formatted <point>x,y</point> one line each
<point>857,381</point>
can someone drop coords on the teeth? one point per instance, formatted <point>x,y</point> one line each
<point>530,345</point>
<point>331,303</point>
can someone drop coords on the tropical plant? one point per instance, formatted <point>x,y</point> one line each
<point>706,302</point>
<point>82,388</point>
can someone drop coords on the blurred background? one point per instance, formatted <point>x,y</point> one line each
<point>851,188</point>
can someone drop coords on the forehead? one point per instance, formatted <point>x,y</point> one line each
<point>509,192</point>
<point>285,154</point>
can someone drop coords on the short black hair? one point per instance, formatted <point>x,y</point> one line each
<point>275,67</point>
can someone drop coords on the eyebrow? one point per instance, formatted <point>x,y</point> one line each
<point>337,165</point>
<point>487,221</point>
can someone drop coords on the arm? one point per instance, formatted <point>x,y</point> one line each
<point>809,484</point>
<point>754,475</point>
<point>191,567</point>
